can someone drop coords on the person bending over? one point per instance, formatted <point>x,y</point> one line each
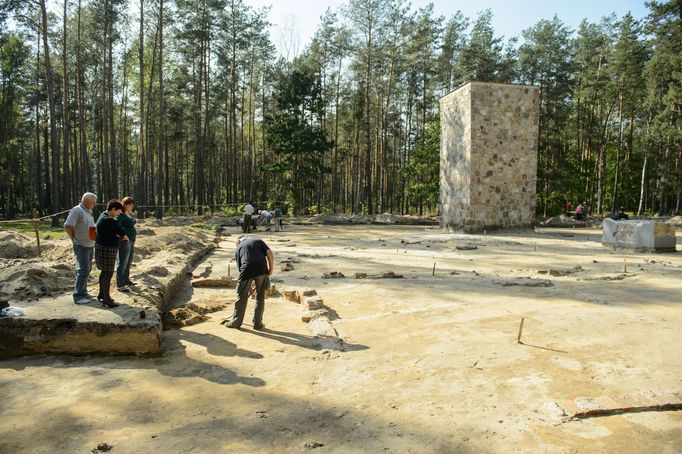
<point>256,264</point>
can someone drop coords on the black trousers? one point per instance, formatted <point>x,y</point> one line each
<point>243,288</point>
<point>246,228</point>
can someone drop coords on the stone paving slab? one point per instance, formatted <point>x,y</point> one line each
<point>586,407</point>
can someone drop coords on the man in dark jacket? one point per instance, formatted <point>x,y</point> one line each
<point>256,264</point>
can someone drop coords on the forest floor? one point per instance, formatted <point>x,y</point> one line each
<point>425,361</point>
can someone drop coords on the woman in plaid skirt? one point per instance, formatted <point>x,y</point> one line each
<point>109,235</point>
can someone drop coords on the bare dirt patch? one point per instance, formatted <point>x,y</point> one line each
<point>430,362</point>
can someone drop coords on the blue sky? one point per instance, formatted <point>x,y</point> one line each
<point>509,17</point>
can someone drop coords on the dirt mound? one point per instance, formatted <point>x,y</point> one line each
<point>171,241</point>
<point>25,277</point>
<point>380,219</point>
<point>561,220</point>
<point>25,281</point>
<point>192,313</point>
<point>676,221</point>
<point>387,218</point>
<point>14,245</point>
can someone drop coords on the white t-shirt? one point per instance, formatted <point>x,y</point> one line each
<point>248,209</point>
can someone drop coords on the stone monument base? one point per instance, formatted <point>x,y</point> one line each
<point>639,236</point>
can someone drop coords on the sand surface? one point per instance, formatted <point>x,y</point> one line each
<point>427,363</point>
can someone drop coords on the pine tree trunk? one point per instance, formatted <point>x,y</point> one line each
<point>142,156</point>
<point>65,112</point>
<point>161,159</point>
<point>54,145</point>
<point>614,203</point>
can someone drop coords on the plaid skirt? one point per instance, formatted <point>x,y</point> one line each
<point>105,257</point>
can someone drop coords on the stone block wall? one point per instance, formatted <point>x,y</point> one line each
<point>488,160</point>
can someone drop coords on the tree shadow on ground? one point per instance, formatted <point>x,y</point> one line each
<point>237,421</point>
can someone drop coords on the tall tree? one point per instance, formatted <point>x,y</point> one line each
<point>296,134</point>
<point>453,41</point>
<point>481,55</point>
<point>545,60</point>
<point>664,102</point>
<point>368,17</point>
<point>54,146</point>
<point>627,71</point>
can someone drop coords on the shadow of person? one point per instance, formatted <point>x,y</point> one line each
<point>309,342</point>
<point>215,345</point>
<point>177,363</point>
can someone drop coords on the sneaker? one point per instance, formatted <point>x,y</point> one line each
<point>82,301</point>
<point>123,289</point>
<point>259,327</point>
<point>131,283</point>
<point>229,324</point>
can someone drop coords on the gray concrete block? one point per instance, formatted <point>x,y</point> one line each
<point>638,235</point>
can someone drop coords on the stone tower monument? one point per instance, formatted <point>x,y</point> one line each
<point>488,156</point>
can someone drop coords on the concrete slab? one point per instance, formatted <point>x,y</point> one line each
<point>640,236</point>
<point>58,325</point>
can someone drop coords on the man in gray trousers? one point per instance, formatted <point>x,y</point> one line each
<point>256,264</point>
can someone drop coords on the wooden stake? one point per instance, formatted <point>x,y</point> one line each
<point>433,273</point>
<point>518,339</point>
<point>625,265</point>
<point>536,247</point>
<point>228,270</point>
<point>35,227</point>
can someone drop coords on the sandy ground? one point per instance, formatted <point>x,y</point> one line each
<point>429,362</point>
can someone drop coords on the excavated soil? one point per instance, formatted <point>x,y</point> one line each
<point>25,277</point>
<point>427,358</point>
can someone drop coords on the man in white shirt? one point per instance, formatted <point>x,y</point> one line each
<point>248,212</point>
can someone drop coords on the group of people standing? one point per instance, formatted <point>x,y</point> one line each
<point>111,240</point>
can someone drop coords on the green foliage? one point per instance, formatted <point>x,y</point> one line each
<point>26,228</point>
<point>295,134</point>
<point>204,226</point>
<point>423,171</point>
<point>480,57</point>
<point>348,126</point>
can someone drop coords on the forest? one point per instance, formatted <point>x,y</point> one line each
<point>186,106</point>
